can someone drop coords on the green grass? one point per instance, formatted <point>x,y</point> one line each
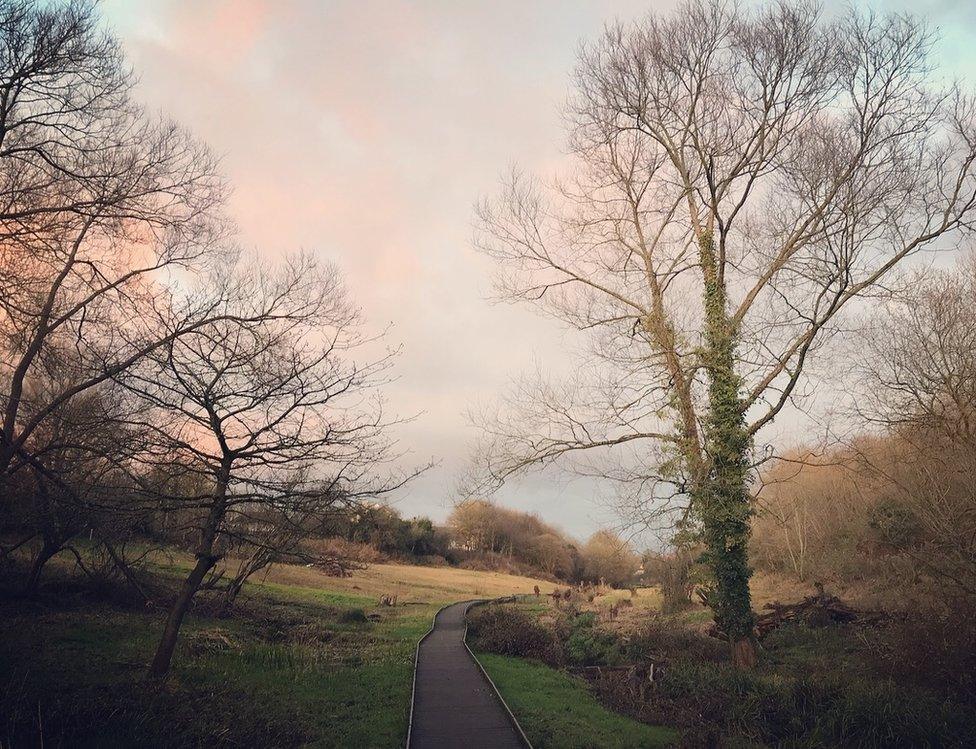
<point>299,666</point>
<point>294,672</point>
<point>555,709</point>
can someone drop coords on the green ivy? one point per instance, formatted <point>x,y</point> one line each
<point>723,503</point>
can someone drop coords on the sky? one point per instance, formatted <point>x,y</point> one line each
<point>365,131</point>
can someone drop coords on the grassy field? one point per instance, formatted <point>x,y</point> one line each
<point>556,710</point>
<point>413,584</point>
<point>302,665</point>
<point>310,660</point>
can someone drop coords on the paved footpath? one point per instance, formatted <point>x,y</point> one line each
<point>454,705</point>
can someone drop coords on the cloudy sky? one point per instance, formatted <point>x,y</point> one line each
<point>365,131</point>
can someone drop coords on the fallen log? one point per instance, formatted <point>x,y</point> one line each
<point>636,672</point>
<point>818,610</point>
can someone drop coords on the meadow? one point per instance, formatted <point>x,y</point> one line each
<point>306,660</point>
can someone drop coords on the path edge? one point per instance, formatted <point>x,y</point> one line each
<point>416,660</point>
<point>494,688</point>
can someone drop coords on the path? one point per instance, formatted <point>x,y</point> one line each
<point>454,705</point>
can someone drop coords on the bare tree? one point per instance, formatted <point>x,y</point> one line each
<point>914,360</point>
<point>741,178</point>
<point>551,553</point>
<point>916,377</point>
<point>609,559</point>
<point>269,406</point>
<point>102,206</point>
<point>269,534</point>
<point>673,571</point>
<point>803,503</point>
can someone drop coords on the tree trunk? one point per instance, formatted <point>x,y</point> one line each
<point>6,456</point>
<point>724,502</point>
<point>123,567</point>
<point>233,589</point>
<point>205,562</point>
<point>47,551</point>
<point>164,652</point>
<point>744,653</point>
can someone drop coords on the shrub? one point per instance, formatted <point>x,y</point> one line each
<point>715,700</point>
<point>588,645</point>
<point>353,616</point>
<point>931,648</point>
<point>341,548</point>
<point>894,522</point>
<point>799,705</point>
<point>663,638</point>
<point>507,630</point>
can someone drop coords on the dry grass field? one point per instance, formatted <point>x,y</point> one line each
<point>412,583</point>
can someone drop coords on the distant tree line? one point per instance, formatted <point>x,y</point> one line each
<point>502,534</point>
<point>479,534</point>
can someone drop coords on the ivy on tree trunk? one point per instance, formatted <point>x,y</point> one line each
<point>723,499</point>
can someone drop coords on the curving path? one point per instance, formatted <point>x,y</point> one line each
<point>454,704</point>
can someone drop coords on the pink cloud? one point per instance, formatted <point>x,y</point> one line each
<point>365,131</point>
<point>221,33</point>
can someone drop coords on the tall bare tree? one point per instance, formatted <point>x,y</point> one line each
<point>270,407</point>
<point>269,533</point>
<point>741,178</point>
<point>101,207</point>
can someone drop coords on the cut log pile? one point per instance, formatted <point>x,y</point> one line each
<point>817,610</point>
<point>335,567</point>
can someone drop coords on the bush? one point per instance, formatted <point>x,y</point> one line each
<point>790,700</point>
<point>507,630</point>
<point>587,645</point>
<point>340,548</point>
<point>932,648</point>
<point>664,638</point>
<point>714,700</point>
<point>895,523</point>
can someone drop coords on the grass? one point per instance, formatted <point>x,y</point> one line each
<point>311,661</point>
<point>301,666</point>
<point>557,711</point>
<point>79,680</point>
<point>316,661</point>
<point>814,686</point>
<point>412,583</point>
